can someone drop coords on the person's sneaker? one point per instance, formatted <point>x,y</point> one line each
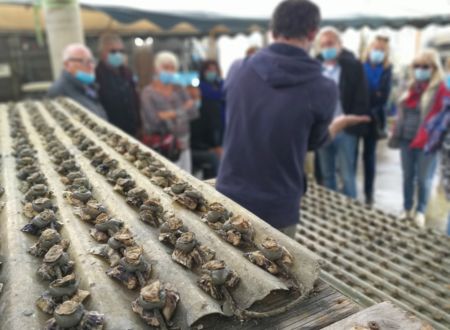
<point>406,215</point>
<point>420,220</point>
<point>369,202</point>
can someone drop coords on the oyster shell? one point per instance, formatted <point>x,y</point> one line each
<point>154,299</point>
<point>216,216</point>
<point>189,254</point>
<point>215,274</point>
<point>132,269</point>
<point>124,184</point>
<point>56,264</point>
<point>136,196</point>
<point>48,238</point>
<point>171,230</point>
<point>191,199</point>
<point>238,231</point>
<point>115,174</point>
<point>151,212</point>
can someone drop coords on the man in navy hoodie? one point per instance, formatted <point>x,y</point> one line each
<point>279,106</point>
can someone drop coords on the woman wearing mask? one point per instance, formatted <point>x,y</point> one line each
<point>378,71</point>
<point>414,112</point>
<point>167,108</point>
<point>436,135</point>
<point>207,130</point>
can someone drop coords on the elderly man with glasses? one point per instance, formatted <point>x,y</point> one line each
<point>77,79</point>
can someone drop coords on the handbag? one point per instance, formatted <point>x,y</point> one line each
<point>166,144</point>
<point>394,139</point>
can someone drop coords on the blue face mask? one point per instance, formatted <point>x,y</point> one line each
<point>115,59</point>
<point>447,81</point>
<point>167,77</point>
<point>329,53</point>
<point>422,74</point>
<point>84,77</point>
<point>376,56</point>
<point>211,76</point>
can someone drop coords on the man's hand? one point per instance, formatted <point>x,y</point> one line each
<point>167,115</point>
<point>342,122</point>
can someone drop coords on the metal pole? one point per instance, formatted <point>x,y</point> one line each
<point>63,26</point>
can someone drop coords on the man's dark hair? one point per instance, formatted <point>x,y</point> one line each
<point>294,19</point>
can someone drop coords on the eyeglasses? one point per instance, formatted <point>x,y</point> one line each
<point>421,66</point>
<point>83,61</point>
<point>113,51</point>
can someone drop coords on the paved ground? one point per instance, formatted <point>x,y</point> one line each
<point>388,185</point>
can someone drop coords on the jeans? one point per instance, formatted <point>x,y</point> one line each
<point>418,168</point>
<point>340,155</point>
<point>369,163</point>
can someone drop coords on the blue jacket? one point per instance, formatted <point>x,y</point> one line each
<point>278,106</point>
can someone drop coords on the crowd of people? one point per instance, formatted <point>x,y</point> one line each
<point>253,129</point>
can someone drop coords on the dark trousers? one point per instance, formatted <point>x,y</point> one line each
<point>369,163</point>
<point>205,161</point>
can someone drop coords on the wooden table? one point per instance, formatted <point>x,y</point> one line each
<point>325,306</point>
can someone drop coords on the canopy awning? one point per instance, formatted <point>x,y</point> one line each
<point>20,16</point>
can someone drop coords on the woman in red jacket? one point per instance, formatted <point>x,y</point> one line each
<point>422,100</point>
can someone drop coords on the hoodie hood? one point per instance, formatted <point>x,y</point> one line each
<point>282,65</point>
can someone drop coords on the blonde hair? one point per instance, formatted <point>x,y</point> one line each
<point>166,57</point>
<point>431,57</point>
<point>385,43</point>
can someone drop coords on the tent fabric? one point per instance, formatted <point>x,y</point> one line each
<point>205,23</point>
<point>19,16</point>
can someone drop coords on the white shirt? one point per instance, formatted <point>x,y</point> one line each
<point>333,72</point>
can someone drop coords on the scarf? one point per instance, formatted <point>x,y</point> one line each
<point>373,74</point>
<point>430,130</point>
<point>415,92</point>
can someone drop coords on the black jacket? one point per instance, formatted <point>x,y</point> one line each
<point>206,131</point>
<point>353,90</point>
<point>117,93</point>
<point>380,96</point>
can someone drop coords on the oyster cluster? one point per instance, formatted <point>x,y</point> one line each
<point>72,315</point>
<point>156,303</point>
<point>187,196</point>
<point>49,237</point>
<point>185,249</point>
<point>171,230</point>
<point>152,212</point>
<point>216,277</point>
<point>132,270</point>
<point>238,231</point>
<point>189,253</point>
<point>271,256</point>
<point>126,258</point>
<point>57,268</point>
